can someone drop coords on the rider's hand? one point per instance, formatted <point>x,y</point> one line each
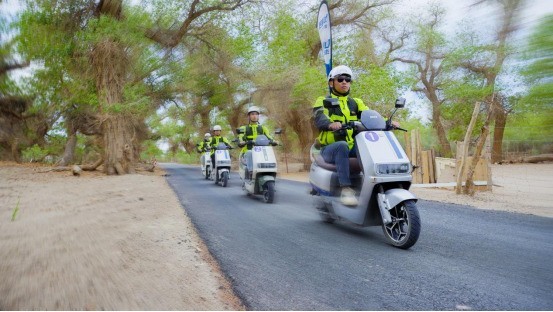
<point>241,143</point>
<point>274,142</point>
<point>395,124</point>
<point>335,126</point>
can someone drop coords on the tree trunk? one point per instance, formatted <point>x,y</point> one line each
<point>538,158</point>
<point>499,130</point>
<point>110,64</point>
<point>445,148</point>
<point>461,169</point>
<point>118,140</point>
<point>302,127</point>
<point>69,152</point>
<point>469,184</point>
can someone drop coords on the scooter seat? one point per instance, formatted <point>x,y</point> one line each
<point>354,166</point>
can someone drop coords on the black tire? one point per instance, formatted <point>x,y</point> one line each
<point>325,216</point>
<point>224,178</point>
<point>405,228</point>
<point>322,209</point>
<point>207,173</point>
<point>269,192</point>
<point>216,177</point>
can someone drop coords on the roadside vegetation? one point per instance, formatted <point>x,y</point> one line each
<point>118,84</point>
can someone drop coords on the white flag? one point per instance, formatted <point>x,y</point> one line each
<point>323,25</point>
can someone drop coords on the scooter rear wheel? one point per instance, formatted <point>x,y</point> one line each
<point>269,192</point>
<point>224,179</point>
<point>323,211</point>
<point>403,232</point>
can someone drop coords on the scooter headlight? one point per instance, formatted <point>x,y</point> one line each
<point>403,168</point>
<point>266,165</point>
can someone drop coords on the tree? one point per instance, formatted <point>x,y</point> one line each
<point>296,77</point>
<point>106,49</point>
<point>427,57</point>
<point>539,53</point>
<point>16,121</point>
<point>489,69</point>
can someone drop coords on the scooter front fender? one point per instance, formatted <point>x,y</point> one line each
<point>396,196</point>
<point>264,179</point>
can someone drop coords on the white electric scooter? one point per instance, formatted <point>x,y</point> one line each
<point>205,163</point>
<point>380,175</point>
<point>221,168</point>
<point>261,181</point>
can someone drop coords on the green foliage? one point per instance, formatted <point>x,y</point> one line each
<point>539,72</point>
<point>379,87</point>
<point>262,55</point>
<point>150,150</point>
<point>427,134</point>
<point>183,157</point>
<point>34,154</point>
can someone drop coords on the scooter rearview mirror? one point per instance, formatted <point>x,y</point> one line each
<point>400,102</point>
<point>278,131</point>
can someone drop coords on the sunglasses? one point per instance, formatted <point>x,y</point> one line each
<point>342,78</point>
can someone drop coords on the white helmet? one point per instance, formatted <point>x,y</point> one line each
<point>217,128</point>
<point>207,135</point>
<point>253,109</point>
<point>340,70</point>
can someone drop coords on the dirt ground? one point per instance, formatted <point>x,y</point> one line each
<point>95,242</point>
<point>124,243</point>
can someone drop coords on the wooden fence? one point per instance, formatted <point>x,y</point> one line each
<point>431,169</point>
<point>424,164</point>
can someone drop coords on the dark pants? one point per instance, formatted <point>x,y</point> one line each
<point>338,153</point>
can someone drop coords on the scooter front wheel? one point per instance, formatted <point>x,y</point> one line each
<point>224,179</point>
<point>324,213</point>
<point>403,232</point>
<point>269,192</point>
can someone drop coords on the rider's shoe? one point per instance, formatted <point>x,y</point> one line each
<point>348,197</point>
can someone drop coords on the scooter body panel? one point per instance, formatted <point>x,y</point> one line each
<point>265,168</point>
<point>222,163</point>
<point>205,163</point>
<point>374,148</point>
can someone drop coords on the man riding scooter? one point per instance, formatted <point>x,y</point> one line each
<point>248,133</point>
<point>215,140</point>
<point>337,145</point>
<point>203,147</point>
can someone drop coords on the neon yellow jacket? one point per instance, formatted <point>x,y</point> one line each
<point>349,109</point>
<point>250,132</point>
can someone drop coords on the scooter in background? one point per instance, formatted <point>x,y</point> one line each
<point>205,163</point>
<point>221,167</point>
<point>261,180</point>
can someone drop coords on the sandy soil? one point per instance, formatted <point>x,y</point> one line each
<point>124,243</point>
<point>101,243</point>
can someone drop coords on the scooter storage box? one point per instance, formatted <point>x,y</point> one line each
<point>323,179</point>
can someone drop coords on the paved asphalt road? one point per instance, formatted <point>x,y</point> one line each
<point>281,256</point>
